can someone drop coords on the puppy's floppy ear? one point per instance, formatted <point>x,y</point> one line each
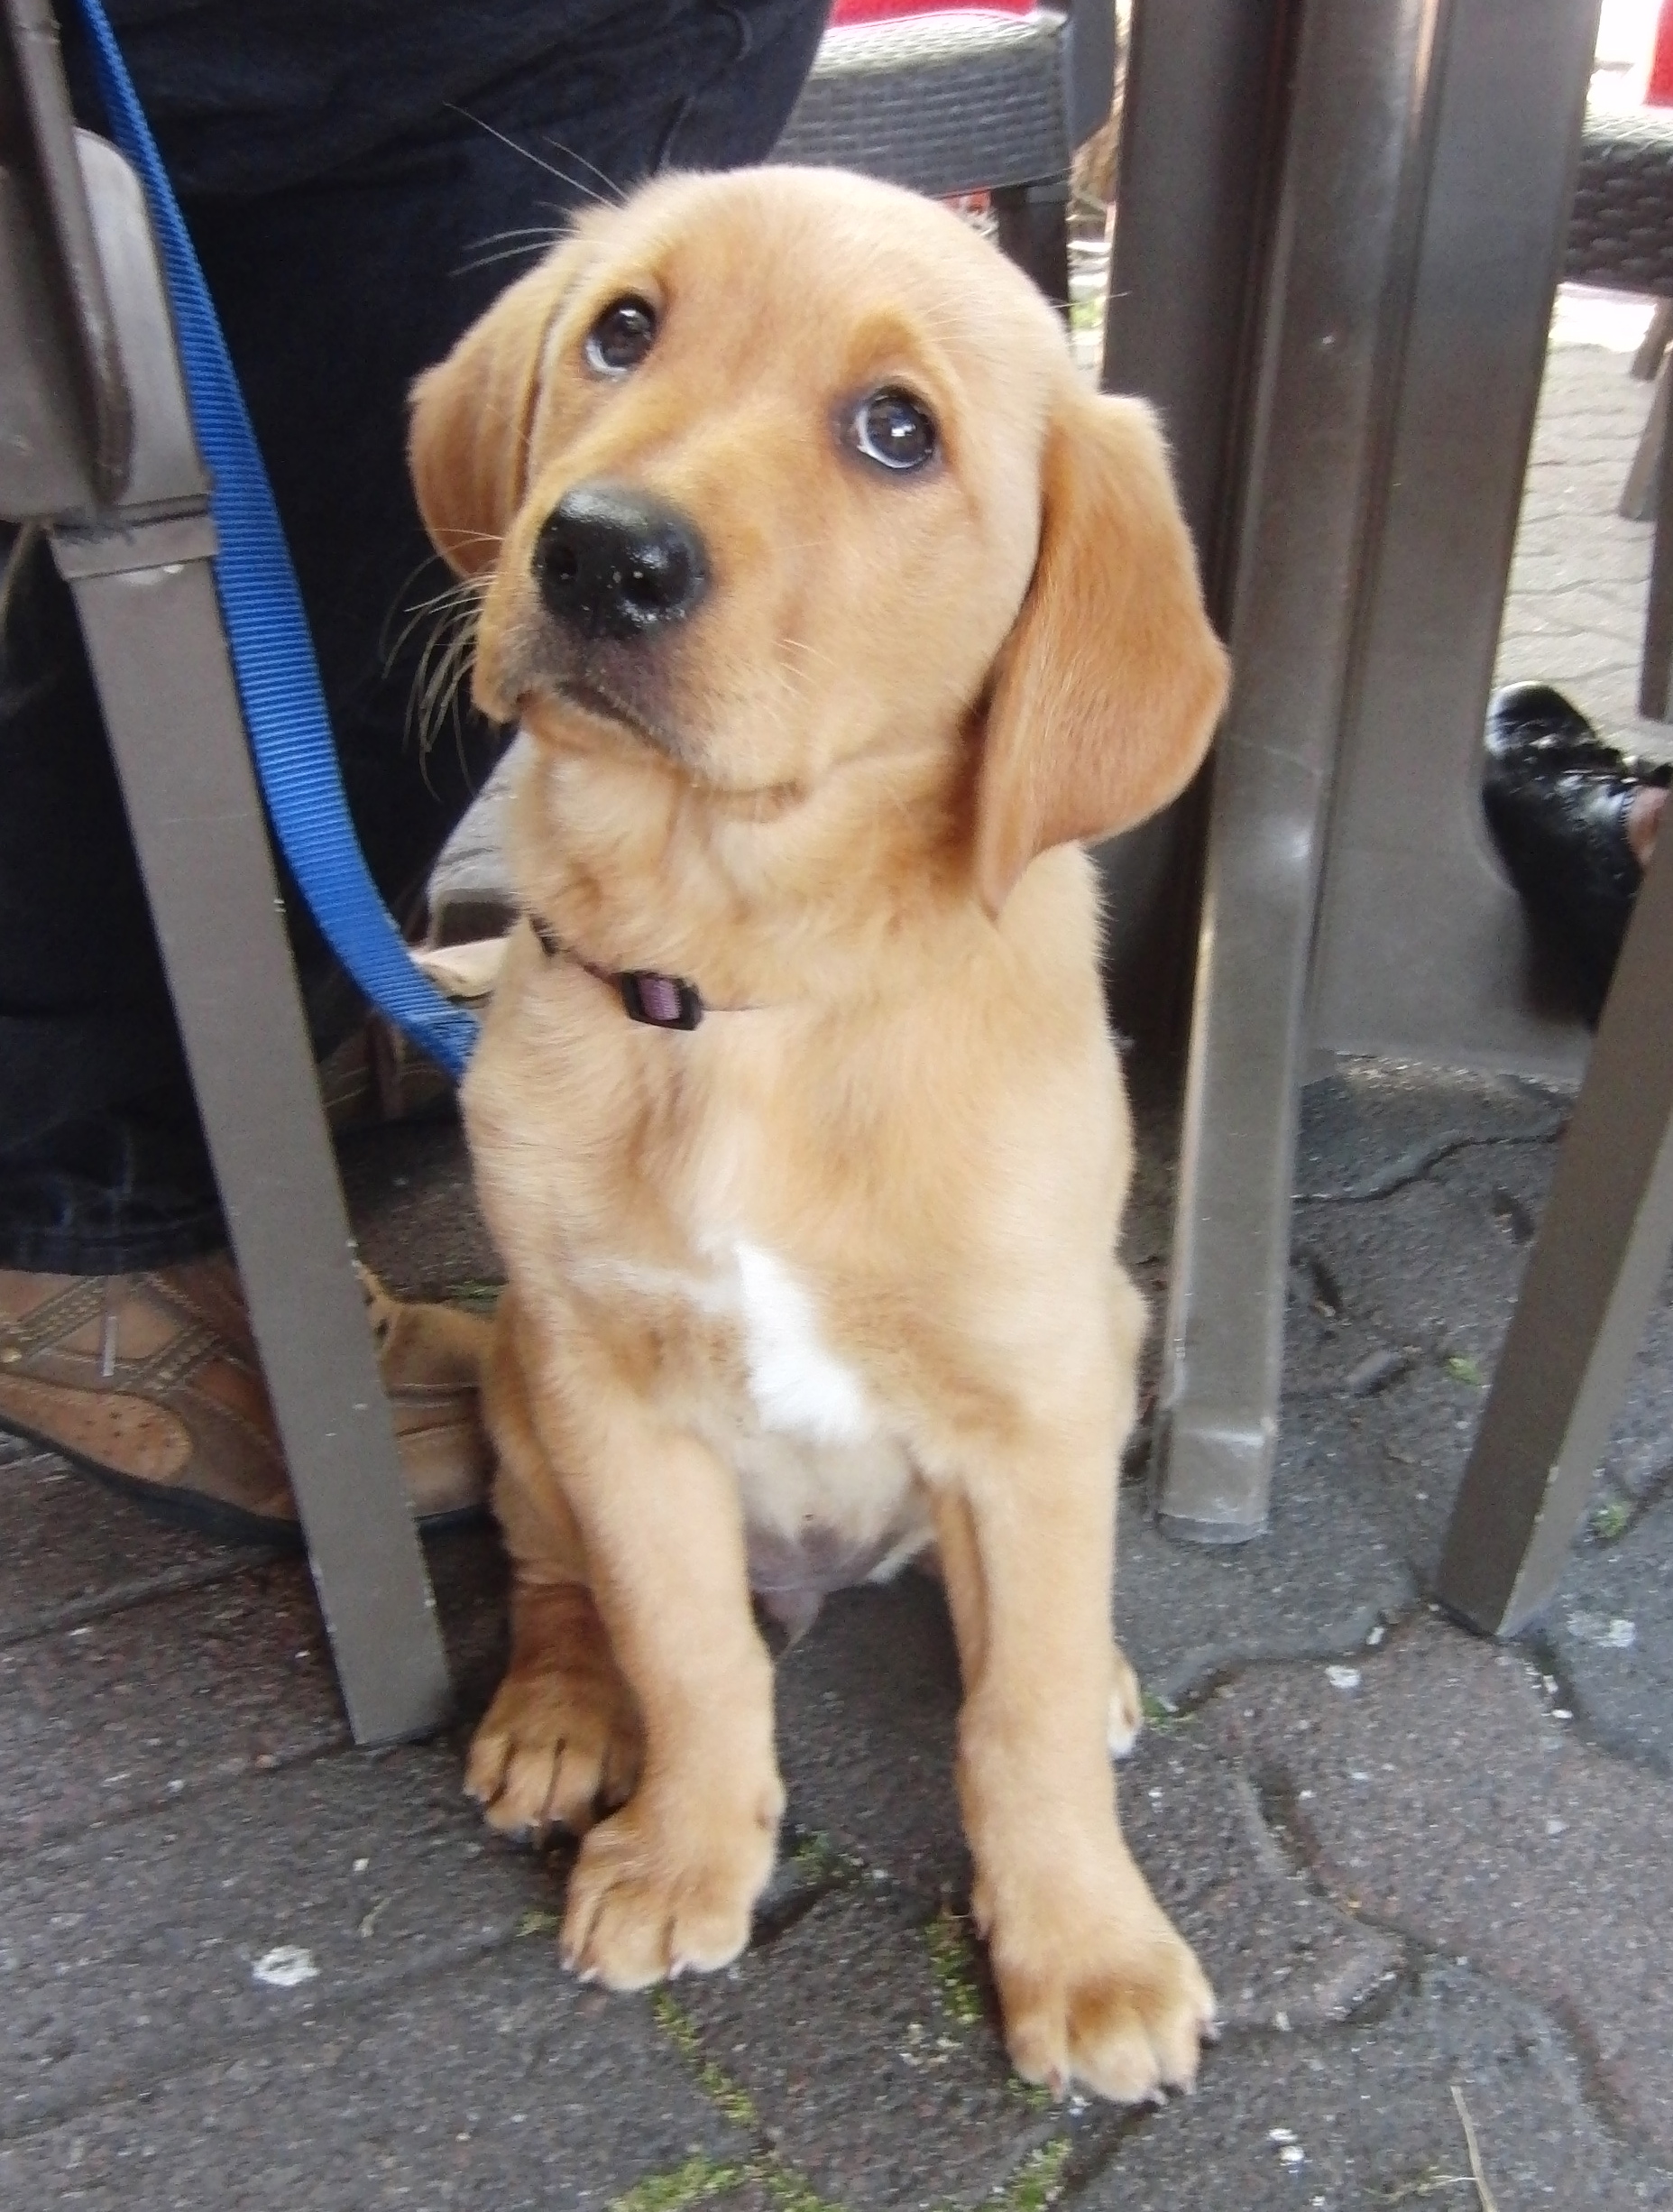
<point>1108,688</point>
<point>468,443</point>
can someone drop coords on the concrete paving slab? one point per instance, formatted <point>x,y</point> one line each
<point>194,1688</point>
<point>69,1548</point>
<point>1433,1789</point>
<point>1365,2118</point>
<point>1570,539</point>
<point>1372,1126</point>
<point>867,1706</point>
<point>166,1697</point>
<point>878,2081</point>
<point>502,2086</point>
<point>866,1719</point>
<point>1321,1579</point>
<point>1609,1638</point>
<point>156,1943</point>
<point>1279,1954</point>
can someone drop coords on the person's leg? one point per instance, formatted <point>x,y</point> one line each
<point>335,293</point>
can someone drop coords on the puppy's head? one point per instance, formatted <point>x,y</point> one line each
<point>771,473</point>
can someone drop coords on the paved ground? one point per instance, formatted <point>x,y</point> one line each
<point>243,1965</point>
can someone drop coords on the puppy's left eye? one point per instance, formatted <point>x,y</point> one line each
<point>621,336</point>
<point>893,429</point>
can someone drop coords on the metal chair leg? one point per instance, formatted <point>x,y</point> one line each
<point>1657,671</point>
<point>1034,231</point>
<point>1638,495</point>
<point>146,601</point>
<point>1317,415</point>
<point>1595,1271</point>
<point>1652,347</point>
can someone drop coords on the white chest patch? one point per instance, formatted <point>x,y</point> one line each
<point>799,1386</point>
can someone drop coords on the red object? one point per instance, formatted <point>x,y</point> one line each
<point>1658,93</point>
<point>847,11</point>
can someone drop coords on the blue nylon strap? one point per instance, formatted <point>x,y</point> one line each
<point>267,634</point>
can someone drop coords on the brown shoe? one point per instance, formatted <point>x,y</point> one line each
<point>151,1382</point>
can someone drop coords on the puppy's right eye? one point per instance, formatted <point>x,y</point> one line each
<point>621,336</point>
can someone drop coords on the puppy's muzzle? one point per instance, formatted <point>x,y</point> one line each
<point>615,562</point>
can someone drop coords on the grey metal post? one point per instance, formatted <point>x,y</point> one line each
<point>1595,1269</point>
<point>1422,947</point>
<point>1413,939</point>
<point>1343,216</point>
<point>97,446</point>
<point>152,629</point>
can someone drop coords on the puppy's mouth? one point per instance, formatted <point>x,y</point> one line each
<point>596,695</point>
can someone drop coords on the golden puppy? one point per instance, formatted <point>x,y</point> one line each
<point>837,611</point>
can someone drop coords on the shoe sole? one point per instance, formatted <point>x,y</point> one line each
<point>211,1516</point>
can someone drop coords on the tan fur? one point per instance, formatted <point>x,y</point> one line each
<point>842,1262</point>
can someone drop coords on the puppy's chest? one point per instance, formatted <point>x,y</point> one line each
<point>829,1494</point>
<point>798,1384</point>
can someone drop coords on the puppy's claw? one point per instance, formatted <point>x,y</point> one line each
<point>1126,1708</point>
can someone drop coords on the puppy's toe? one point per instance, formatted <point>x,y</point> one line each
<point>552,1752</point>
<point>1139,2031</point>
<point>1104,1993</point>
<point>656,1891</point>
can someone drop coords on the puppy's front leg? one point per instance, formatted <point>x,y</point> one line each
<point>1095,1983</point>
<point>668,1882</point>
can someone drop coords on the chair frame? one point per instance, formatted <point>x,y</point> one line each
<point>96,449</point>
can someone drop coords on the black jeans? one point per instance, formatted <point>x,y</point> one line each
<point>334,292</point>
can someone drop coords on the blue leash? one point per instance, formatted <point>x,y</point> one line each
<point>267,634</point>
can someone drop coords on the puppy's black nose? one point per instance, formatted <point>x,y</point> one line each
<point>617,563</point>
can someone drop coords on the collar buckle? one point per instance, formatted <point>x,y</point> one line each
<point>660,1002</point>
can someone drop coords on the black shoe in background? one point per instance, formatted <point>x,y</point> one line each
<point>1556,798</point>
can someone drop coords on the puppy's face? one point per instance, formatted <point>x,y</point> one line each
<point>757,470</point>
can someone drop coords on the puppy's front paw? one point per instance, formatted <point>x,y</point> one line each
<point>1098,1987</point>
<point>661,1888</point>
<point>556,1746</point>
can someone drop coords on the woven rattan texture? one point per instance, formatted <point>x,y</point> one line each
<point>943,104</point>
<point>1621,232</point>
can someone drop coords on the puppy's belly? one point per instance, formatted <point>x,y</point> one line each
<point>822,1518</point>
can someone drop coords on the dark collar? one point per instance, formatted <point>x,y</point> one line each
<point>660,1002</point>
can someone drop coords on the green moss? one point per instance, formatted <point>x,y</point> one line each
<point>816,1858</point>
<point>952,1962</point>
<point>790,2192</point>
<point>538,1922</point>
<point>723,2093</point>
<point>1032,2095</point>
<point>1612,1520</point>
<point>695,2182</point>
<point>1038,2181</point>
<point>1162,1718</point>
<point>1465,1371</point>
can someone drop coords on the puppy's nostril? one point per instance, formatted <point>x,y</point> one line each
<point>659,579</point>
<point>616,562</point>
